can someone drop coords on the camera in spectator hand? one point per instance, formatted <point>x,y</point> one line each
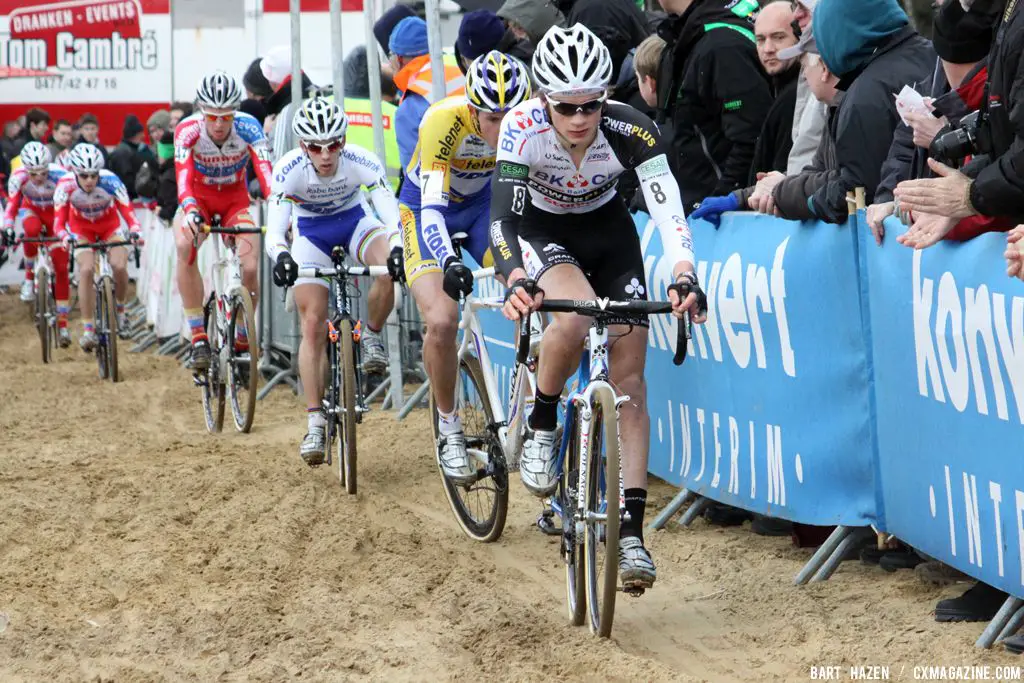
<point>972,137</point>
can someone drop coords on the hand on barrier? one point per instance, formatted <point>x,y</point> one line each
<point>286,271</point>
<point>948,195</point>
<point>458,279</point>
<point>712,208</point>
<point>522,297</point>
<point>396,264</point>
<point>686,295</point>
<point>877,213</point>
<point>926,230</point>
<point>1014,254</point>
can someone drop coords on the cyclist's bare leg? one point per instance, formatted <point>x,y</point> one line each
<point>311,300</point>
<point>562,344</point>
<point>190,283</point>
<point>118,257</point>
<point>628,358</point>
<point>249,254</point>
<point>381,298</point>
<point>440,354</point>
<point>86,260</point>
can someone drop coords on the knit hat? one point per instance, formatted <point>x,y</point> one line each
<point>848,33</point>
<point>535,16</point>
<point>964,37</point>
<point>255,82</point>
<point>161,118</point>
<point>385,26</point>
<point>132,127</point>
<point>409,39</point>
<point>480,32</point>
<point>276,65</point>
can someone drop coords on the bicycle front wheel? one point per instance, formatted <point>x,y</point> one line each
<point>573,552</point>
<point>43,313</point>
<point>211,382</point>
<point>480,506</point>
<point>346,380</point>
<point>243,376</point>
<point>601,535</point>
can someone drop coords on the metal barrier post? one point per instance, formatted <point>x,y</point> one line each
<point>682,498</point>
<point>438,88</point>
<point>337,54</point>
<point>999,622</point>
<point>296,15</point>
<point>394,325</point>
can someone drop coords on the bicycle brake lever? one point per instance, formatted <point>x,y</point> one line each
<point>682,339</point>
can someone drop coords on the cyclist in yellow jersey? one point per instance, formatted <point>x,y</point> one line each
<point>447,189</point>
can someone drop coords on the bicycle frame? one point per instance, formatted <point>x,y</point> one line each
<point>509,426</point>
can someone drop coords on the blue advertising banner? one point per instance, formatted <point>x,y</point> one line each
<point>771,410</point>
<point>948,344</point>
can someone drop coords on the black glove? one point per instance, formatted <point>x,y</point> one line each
<point>7,238</point>
<point>458,280</point>
<point>528,284</point>
<point>396,265</point>
<point>688,284</point>
<point>286,271</point>
<point>134,237</point>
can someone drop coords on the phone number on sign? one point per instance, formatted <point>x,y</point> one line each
<point>916,673</point>
<point>76,83</point>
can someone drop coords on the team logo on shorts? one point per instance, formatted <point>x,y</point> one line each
<point>635,289</point>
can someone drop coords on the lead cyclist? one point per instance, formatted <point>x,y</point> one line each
<point>559,158</point>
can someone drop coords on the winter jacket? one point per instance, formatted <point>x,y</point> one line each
<point>126,160</point>
<point>773,145</point>
<point>808,126</point>
<point>711,86</point>
<point>860,128</point>
<point>999,187</point>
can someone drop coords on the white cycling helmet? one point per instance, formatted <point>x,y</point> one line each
<point>35,156</point>
<point>497,82</point>
<point>571,61</point>
<point>219,91</point>
<point>85,158</point>
<point>319,119</point>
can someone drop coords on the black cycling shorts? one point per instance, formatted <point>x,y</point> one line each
<point>602,243</point>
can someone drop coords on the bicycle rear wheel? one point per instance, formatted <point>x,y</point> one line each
<point>43,314</point>
<point>601,537</point>
<point>480,506</point>
<point>243,375</point>
<point>572,543</point>
<point>211,382</point>
<point>346,378</point>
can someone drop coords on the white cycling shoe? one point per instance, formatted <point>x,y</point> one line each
<point>636,568</point>
<point>28,291</point>
<point>454,458</point>
<point>537,463</point>
<point>375,358</point>
<point>88,341</point>
<point>314,446</point>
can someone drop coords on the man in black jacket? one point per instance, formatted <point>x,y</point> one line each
<point>774,33</point>
<point>130,154</point>
<point>711,85</point>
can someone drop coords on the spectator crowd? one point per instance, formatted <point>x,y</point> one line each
<point>780,107</point>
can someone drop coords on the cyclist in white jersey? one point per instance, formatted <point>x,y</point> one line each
<point>320,184</point>
<point>559,158</point>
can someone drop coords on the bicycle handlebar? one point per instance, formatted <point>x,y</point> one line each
<point>604,309</point>
<point>108,245</point>
<point>371,271</point>
<point>235,230</point>
<point>36,240</point>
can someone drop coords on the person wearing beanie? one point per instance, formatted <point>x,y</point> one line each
<point>383,27</point>
<point>255,83</point>
<point>410,58</point>
<point>531,19</point>
<point>157,123</point>
<point>482,31</point>
<point>130,154</point>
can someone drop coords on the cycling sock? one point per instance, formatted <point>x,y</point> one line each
<point>545,412</point>
<point>636,502</point>
<point>448,423</point>
<point>370,328</point>
<point>30,273</point>
<point>87,327</point>
<point>63,309</point>
<point>120,310</point>
<point>195,323</point>
<point>314,418</point>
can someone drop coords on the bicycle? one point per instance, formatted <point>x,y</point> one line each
<point>590,518</point>
<point>228,305</point>
<point>494,430</point>
<point>105,324</point>
<point>46,299</point>
<point>343,402</point>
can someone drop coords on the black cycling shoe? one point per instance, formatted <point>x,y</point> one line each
<point>201,356</point>
<point>980,602</point>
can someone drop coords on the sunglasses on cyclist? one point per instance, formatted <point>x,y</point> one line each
<point>90,175</point>
<point>321,147</point>
<point>585,108</point>
<point>214,118</point>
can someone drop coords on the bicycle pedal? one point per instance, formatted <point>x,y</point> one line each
<point>634,591</point>
<point>546,524</point>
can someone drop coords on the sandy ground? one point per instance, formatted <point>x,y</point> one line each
<point>136,547</point>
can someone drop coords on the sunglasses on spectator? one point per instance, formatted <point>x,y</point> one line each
<point>321,147</point>
<point>214,118</point>
<point>88,175</point>
<point>585,108</point>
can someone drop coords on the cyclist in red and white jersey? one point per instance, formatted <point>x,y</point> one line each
<point>30,200</point>
<point>211,151</point>
<point>89,205</point>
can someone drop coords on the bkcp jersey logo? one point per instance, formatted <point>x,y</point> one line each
<point>81,35</point>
